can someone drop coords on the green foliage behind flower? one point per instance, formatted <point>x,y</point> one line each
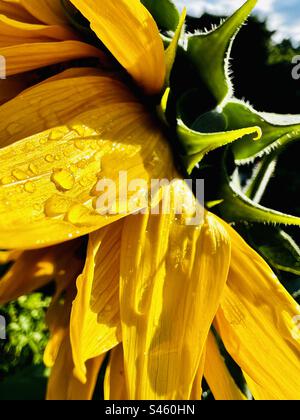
<point>27,333</point>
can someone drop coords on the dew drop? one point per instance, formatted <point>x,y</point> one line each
<point>84,181</point>
<point>29,147</point>
<point>57,134</point>
<point>82,164</point>
<point>57,156</point>
<point>49,158</point>
<point>63,179</point>
<point>77,213</point>
<point>33,168</point>
<point>7,180</point>
<point>19,174</point>
<point>68,152</point>
<point>38,207</point>
<point>79,129</point>
<point>80,144</point>
<point>30,187</point>
<point>57,205</point>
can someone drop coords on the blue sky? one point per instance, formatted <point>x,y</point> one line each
<point>283,15</point>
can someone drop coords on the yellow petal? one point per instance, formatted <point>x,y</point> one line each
<point>259,393</point>
<point>257,321</point>
<point>15,32</point>
<point>29,56</point>
<point>130,33</point>
<point>114,382</point>
<point>34,269</point>
<point>95,319</point>
<point>58,319</point>
<point>55,102</point>
<point>63,385</point>
<point>47,11</point>
<point>14,10</point>
<point>48,191</point>
<point>172,277</point>
<point>217,374</point>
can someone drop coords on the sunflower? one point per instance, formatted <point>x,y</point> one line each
<point>151,296</point>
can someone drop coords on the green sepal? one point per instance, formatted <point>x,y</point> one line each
<point>164,12</point>
<point>196,145</point>
<point>237,207</point>
<point>210,52</point>
<point>278,130</point>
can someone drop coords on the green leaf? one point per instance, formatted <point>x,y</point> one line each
<point>237,207</point>
<point>196,145</point>
<point>210,52</point>
<point>164,12</point>
<point>278,130</point>
<point>277,247</point>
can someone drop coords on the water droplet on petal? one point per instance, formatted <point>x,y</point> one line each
<point>33,168</point>
<point>29,187</point>
<point>57,205</point>
<point>19,174</point>
<point>82,164</point>
<point>81,144</point>
<point>79,129</point>
<point>49,158</point>
<point>63,179</point>
<point>84,181</point>
<point>76,214</point>
<point>7,180</point>
<point>58,133</point>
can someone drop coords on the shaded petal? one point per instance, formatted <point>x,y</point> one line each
<point>58,319</point>
<point>14,10</point>
<point>257,321</point>
<point>30,56</point>
<point>48,193</point>
<point>15,32</point>
<point>47,11</point>
<point>217,374</point>
<point>172,277</point>
<point>130,33</point>
<point>11,87</point>
<point>34,269</point>
<point>63,385</point>
<point>95,319</point>
<point>114,382</point>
